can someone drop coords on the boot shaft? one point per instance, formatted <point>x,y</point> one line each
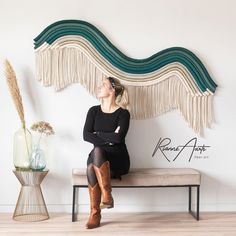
<point>104,181</point>
<point>95,198</point>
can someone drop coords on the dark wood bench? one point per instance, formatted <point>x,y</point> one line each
<point>147,178</point>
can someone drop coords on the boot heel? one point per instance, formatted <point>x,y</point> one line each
<point>105,205</point>
<point>111,206</point>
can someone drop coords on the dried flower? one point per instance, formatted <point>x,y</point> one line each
<point>14,91</point>
<point>43,127</point>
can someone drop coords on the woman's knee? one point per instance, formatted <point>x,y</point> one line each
<point>99,156</point>
<point>90,168</point>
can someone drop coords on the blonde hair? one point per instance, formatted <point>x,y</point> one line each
<point>121,93</point>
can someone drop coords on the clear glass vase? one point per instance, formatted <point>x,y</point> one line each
<point>37,160</point>
<point>22,148</point>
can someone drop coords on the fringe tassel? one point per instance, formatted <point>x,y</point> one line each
<point>62,66</point>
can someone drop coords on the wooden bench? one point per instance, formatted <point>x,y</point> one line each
<point>147,178</point>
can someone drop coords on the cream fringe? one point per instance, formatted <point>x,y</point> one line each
<point>61,67</point>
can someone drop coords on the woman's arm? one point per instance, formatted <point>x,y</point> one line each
<point>88,132</point>
<point>113,137</point>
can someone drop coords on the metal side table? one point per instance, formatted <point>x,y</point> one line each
<point>30,204</point>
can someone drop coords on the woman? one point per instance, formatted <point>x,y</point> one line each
<point>106,126</point>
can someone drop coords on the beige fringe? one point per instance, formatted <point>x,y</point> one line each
<point>62,66</point>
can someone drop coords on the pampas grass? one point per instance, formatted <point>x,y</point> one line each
<point>14,91</point>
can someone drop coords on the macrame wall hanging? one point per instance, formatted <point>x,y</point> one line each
<point>74,51</point>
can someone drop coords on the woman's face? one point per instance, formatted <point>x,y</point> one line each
<point>105,89</point>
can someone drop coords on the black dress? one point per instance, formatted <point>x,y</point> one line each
<point>105,124</point>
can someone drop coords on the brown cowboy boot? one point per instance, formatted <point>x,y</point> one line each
<point>95,211</point>
<point>104,181</point>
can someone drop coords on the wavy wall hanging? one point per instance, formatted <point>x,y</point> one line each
<point>75,51</point>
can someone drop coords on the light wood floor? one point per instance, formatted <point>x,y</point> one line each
<point>113,224</point>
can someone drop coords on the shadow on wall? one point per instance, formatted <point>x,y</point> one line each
<point>33,96</point>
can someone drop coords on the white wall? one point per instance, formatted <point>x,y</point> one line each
<point>138,28</point>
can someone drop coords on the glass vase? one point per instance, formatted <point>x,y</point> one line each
<point>22,147</point>
<point>37,160</point>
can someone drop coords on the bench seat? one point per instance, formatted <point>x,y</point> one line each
<point>147,178</point>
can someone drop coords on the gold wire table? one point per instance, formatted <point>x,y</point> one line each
<point>30,204</point>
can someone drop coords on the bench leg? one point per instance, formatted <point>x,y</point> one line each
<point>198,201</point>
<point>73,204</point>
<point>189,198</point>
<point>195,215</point>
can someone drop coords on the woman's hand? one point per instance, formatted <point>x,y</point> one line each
<point>117,129</point>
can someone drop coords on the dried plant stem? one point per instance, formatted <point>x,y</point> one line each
<point>26,142</point>
<point>39,139</point>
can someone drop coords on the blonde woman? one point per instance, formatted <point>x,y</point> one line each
<point>106,126</point>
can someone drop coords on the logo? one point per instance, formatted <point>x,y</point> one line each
<point>194,150</point>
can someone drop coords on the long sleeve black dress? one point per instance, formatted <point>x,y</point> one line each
<point>105,124</point>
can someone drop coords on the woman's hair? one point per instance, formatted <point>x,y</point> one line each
<point>121,93</point>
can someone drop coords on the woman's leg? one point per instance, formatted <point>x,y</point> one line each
<point>101,167</point>
<point>95,197</point>
<point>91,176</point>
